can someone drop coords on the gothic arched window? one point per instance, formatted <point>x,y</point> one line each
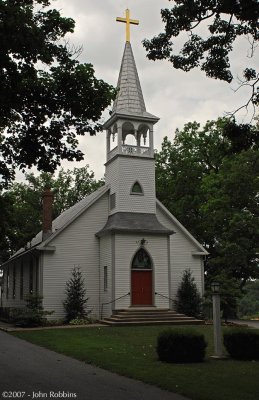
<point>141,260</point>
<point>136,188</point>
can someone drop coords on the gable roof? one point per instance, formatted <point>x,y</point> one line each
<point>62,221</point>
<point>202,250</point>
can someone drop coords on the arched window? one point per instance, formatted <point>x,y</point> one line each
<point>141,260</point>
<point>136,188</point>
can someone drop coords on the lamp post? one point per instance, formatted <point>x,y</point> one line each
<point>216,320</point>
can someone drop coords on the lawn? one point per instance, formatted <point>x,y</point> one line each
<point>130,351</point>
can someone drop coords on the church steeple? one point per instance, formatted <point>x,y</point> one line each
<point>129,115</point>
<point>130,150</point>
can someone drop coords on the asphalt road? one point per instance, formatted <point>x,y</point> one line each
<point>250,323</point>
<point>44,374</point>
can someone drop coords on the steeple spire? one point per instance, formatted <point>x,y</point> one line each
<point>129,99</point>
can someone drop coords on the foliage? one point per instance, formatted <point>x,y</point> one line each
<point>75,303</point>
<point>47,98</point>
<point>21,204</point>
<point>242,344</point>
<point>188,300</point>
<point>212,27</point>
<point>109,348</point>
<point>248,305</point>
<point>181,345</point>
<point>32,314</point>
<point>208,178</point>
<point>229,294</point>
<point>80,321</point>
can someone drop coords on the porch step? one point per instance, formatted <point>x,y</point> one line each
<point>149,317</point>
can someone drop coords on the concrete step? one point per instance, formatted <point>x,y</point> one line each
<point>149,316</point>
<point>144,323</point>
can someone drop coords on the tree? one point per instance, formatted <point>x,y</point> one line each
<point>188,300</point>
<point>208,178</point>
<point>47,97</point>
<point>249,304</point>
<point>75,303</point>
<point>208,49</point>
<point>21,204</point>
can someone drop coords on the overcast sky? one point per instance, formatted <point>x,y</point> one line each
<point>174,96</point>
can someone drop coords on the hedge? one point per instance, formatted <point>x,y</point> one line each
<point>242,344</point>
<point>181,346</point>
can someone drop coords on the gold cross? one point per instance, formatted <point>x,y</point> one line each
<point>128,21</point>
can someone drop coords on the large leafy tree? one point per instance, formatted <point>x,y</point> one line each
<point>208,177</point>
<point>212,28</point>
<point>21,204</point>
<point>47,97</point>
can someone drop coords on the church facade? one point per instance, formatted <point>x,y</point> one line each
<point>131,250</point>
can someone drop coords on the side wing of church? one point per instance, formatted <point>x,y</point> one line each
<point>131,250</point>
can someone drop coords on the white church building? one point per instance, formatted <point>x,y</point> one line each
<point>131,250</point>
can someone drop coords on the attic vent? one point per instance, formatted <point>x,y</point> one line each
<point>136,188</point>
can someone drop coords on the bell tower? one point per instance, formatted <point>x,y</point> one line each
<point>130,164</point>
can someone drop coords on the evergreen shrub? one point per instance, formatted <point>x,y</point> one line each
<point>75,302</point>
<point>188,299</point>
<point>181,346</point>
<point>32,314</point>
<point>242,344</point>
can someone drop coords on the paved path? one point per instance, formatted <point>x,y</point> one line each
<point>250,323</point>
<point>40,372</point>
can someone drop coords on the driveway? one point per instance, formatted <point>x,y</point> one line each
<point>42,373</point>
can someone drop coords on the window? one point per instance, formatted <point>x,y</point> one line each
<point>137,189</point>
<point>31,277</point>
<point>37,276</point>
<point>7,282</point>
<point>141,260</point>
<point>112,201</point>
<point>21,280</point>
<point>105,278</point>
<point>14,281</point>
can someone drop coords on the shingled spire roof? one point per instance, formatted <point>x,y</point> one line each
<point>130,100</point>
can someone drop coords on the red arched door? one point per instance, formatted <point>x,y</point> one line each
<point>141,279</point>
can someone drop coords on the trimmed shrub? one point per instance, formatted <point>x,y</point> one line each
<point>242,344</point>
<point>181,346</point>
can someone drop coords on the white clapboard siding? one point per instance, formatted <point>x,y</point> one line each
<point>105,261</point>
<point>181,255</point>
<point>77,246</point>
<point>122,173</point>
<point>125,248</point>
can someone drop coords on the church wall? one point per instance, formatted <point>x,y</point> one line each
<point>105,282</point>
<point>122,173</point>
<point>181,257</point>
<point>125,248</point>
<point>76,245</point>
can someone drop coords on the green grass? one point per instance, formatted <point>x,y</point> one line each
<point>130,351</point>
